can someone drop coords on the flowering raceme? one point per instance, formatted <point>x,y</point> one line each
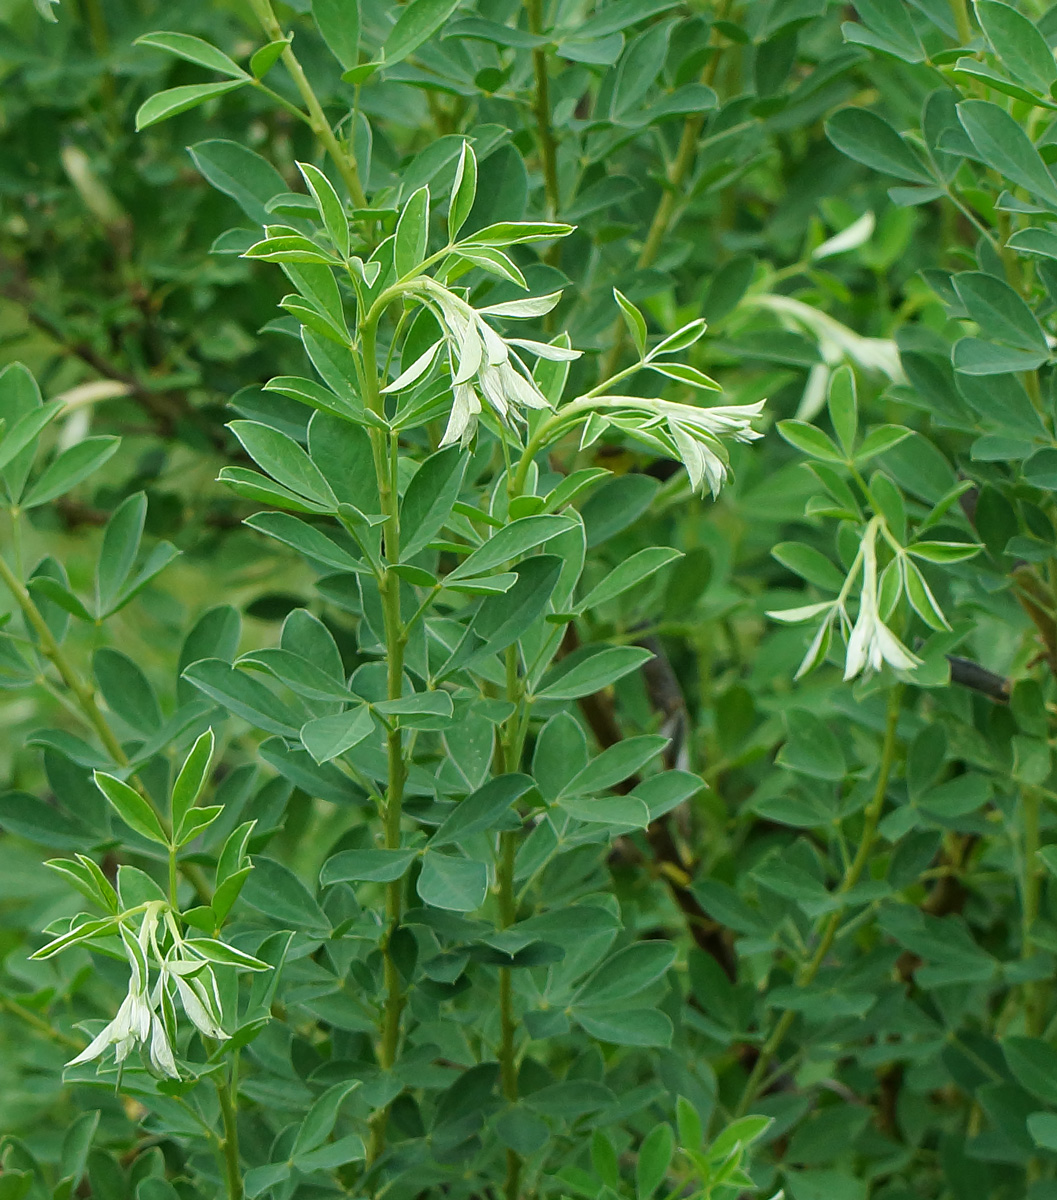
<point>870,643</point>
<point>686,432</point>
<point>476,353</point>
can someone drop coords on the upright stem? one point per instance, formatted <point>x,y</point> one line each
<point>676,175</point>
<point>343,158</point>
<point>541,107</point>
<point>960,13</point>
<point>84,696</point>
<point>1030,801</point>
<point>508,761</point>
<point>385,453</point>
<point>806,974</point>
<point>230,1145</point>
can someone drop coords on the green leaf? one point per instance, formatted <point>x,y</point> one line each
<point>738,1134</point>
<point>193,49</point>
<point>463,191</point>
<point>1033,1062</point>
<point>843,406</point>
<point>377,866</point>
<point>625,1027</point>
<point>412,230</point>
<point>421,704</point>
<point>615,764</point>
<point>634,320</point>
<point>514,233</point>
<point>1043,1128</point>
<point>243,696</point>
<point>1019,45</point>
<point>338,22</point>
<point>117,556</point>
<point>1002,144</point>
<point>482,810</point>
<point>27,816</point>
<point>428,501</point>
<point>327,737</point>
<point>972,356</point>
<point>19,398</point>
<point>620,814</point>
<point>810,440</point>
<point>250,180</point>
<point>126,690</point>
<point>51,589</point>
<point>23,431</point>
<point>809,564</point>
<point>593,673</point>
<point>290,248</point>
<point>654,1159</point>
<point>626,973</point>
<point>313,543</point>
<point>70,468</point>
<point>418,21</point>
<point>812,749</point>
<point>285,461</point>
<point>1029,241</point>
<point>509,543</point>
<point>505,617</point>
<point>631,572</point>
<point>276,891</point>
<point>191,779</point>
<point>156,562</point>
<point>454,884</point>
<point>263,59</point>
<point>131,807</point>
<point>877,441</point>
<point>321,1118</point>
<point>999,311</point>
<point>869,139</point>
<point>331,209</point>
<point>170,103</point>
<point>220,952</point>
<point>86,876</point>
<point>686,374</point>
<point>76,1142</point>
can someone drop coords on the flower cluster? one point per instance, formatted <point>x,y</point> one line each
<point>180,969</point>
<point>870,643</point>
<point>685,432</point>
<point>482,363</point>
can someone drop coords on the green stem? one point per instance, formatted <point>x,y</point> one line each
<point>541,107</point>
<point>1030,803</point>
<point>676,175</point>
<point>85,699</point>
<point>227,1094</point>
<point>960,13</point>
<point>38,1023</point>
<point>385,457</point>
<point>508,761</point>
<point>806,975</point>
<point>343,158</point>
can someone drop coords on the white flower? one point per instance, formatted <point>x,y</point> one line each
<point>872,643</point>
<point>482,363</point>
<point>132,1024</point>
<point>690,433</point>
<point>202,1008</point>
<point>161,1055</point>
<point>836,343</point>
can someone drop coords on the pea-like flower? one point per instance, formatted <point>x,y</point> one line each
<point>482,364</point>
<point>686,432</point>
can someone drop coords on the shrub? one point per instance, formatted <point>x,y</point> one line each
<point>486,765</point>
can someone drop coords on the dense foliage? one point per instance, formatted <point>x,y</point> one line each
<point>449,750</point>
